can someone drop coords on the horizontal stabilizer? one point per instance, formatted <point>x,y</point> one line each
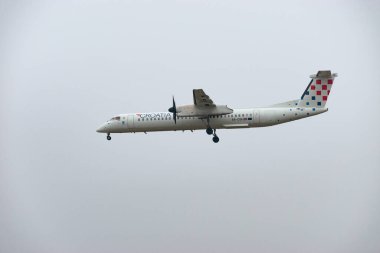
<point>287,104</point>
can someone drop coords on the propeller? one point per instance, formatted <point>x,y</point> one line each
<point>173,110</point>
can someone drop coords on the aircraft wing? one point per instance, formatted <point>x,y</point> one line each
<point>201,99</point>
<point>203,107</point>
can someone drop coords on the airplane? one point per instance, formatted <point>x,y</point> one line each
<point>205,114</point>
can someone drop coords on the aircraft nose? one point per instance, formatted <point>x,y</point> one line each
<point>102,129</point>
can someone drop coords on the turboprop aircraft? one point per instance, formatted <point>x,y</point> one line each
<point>205,114</point>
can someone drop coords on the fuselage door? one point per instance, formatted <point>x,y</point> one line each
<point>130,122</point>
<point>256,117</point>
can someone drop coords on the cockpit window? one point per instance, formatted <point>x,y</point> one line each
<point>116,118</point>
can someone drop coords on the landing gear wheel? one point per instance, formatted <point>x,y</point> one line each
<point>209,131</point>
<point>215,139</point>
<point>108,137</point>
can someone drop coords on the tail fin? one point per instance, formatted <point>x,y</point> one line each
<point>318,90</point>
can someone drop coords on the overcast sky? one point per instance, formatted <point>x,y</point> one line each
<point>306,186</point>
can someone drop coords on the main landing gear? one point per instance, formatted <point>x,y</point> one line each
<point>215,139</point>
<point>108,137</point>
<point>210,131</point>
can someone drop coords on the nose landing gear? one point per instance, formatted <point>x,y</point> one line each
<point>108,137</point>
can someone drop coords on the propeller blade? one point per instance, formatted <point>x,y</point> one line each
<point>173,110</point>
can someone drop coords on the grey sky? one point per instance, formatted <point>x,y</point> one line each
<point>306,186</point>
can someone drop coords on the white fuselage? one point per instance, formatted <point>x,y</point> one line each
<point>240,118</point>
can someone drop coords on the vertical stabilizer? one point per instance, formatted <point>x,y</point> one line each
<point>318,90</point>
